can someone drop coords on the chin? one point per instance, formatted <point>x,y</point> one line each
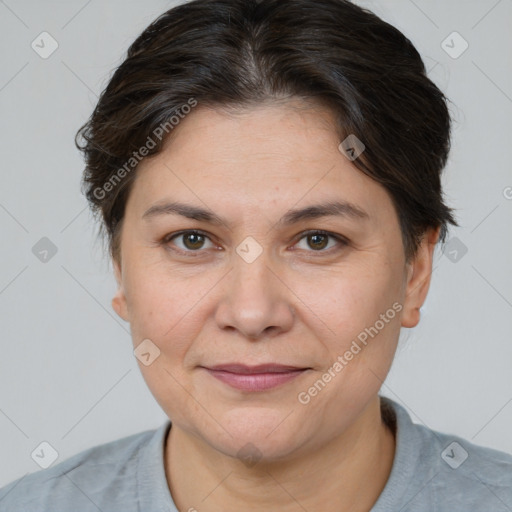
<point>257,433</point>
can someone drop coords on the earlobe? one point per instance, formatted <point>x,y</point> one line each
<point>119,304</point>
<point>418,280</point>
<point>411,317</point>
<point>119,300</point>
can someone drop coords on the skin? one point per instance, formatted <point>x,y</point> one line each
<point>301,302</point>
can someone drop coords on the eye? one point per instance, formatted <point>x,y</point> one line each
<point>195,241</point>
<point>319,240</point>
<point>191,241</point>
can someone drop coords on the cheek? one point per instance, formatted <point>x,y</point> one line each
<point>347,301</point>
<point>155,304</point>
<point>359,328</point>
<point>169,309</point>
<point>359,325</point>
<point>162,309</point>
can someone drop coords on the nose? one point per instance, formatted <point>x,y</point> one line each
<point>255,300</point>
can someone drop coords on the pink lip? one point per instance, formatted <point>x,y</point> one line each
<point>254,378</point>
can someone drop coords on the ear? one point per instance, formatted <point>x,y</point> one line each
<point>418,278</point>
<point>119,300</point>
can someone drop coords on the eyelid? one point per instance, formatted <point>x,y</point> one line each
<point>342,241</point>
<point>169,237</point>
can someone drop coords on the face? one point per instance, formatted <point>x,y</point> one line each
<point>265,275</point>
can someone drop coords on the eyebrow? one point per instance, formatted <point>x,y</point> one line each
<point>328,209</point>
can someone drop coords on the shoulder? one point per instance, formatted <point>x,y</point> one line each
<point>448,472</point>
<point>84,481</point>
<point>466,473</point>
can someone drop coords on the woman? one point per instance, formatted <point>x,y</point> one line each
<point>268,176</point>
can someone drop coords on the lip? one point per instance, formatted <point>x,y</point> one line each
<point>255,378</point>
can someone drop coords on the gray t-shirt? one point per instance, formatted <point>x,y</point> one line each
<point>432,471</point>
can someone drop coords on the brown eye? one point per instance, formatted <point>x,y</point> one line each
<point>193,241</point>
<point>188,241</point>
<point>318,241</point>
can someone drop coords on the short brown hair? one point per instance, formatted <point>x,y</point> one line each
<point>238,53</point>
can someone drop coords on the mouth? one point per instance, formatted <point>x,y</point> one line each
<point>255,378</point>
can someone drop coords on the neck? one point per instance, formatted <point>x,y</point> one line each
<point>347,473</point>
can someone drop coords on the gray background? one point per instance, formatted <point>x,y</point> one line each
<point>67,372</point>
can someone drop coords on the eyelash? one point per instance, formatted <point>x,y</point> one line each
<point>343,242</point>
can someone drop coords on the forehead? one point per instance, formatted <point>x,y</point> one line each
<point>291,129</point>
<point>271,155</point>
